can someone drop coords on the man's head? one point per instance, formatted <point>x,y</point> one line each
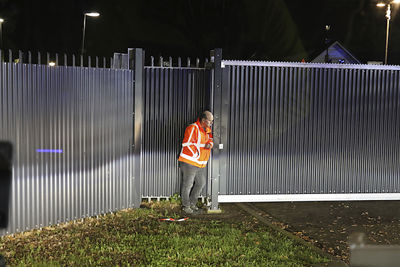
<point>206,119</point>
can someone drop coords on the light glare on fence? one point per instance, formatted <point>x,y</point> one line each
<point>49,150</point>
<point>52,64</point>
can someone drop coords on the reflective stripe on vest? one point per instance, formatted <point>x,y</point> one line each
<point>193,159</point>
<point>197,145</point>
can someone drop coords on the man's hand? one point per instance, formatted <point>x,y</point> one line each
<point>207,146</point>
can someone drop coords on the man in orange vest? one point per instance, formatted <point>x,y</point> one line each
<point>196,149</point>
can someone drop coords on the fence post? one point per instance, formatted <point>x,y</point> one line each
<point>137,55</point>
<point>216,57</point>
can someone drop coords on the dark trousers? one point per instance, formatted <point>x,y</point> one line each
<point>191,175</point>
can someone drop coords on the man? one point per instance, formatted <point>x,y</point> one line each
<point>196,148</point>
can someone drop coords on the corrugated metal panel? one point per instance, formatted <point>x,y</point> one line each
<point>311,129</point>
<point>173,98</point>
<point>83,116</point>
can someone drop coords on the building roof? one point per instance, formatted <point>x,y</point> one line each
<point>337,53</point>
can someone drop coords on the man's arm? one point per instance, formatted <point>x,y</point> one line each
<point>210,142</point>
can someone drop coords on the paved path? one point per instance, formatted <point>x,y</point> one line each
<point>329,224</point>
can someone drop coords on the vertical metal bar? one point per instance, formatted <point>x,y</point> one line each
<point>361,124</point>
<point>146,143</point>
<point>255,171</point>
<point>264,109</point>
<point>217,110</point>
<point>205,63</point>
<point>156,143</point>
<point>396,126</point>
<point>138,130</point>
<point>311,129</point>
<point>20,57</point>
<point>247,113</point>
<point>385,108</point>
<point>293,109</point>
<point>281,118</point>
<point>340,123</point>
<point>260,143</point>
<point>369,117</point>
<point>161,61</point>
<point>233,145</point>
<point>352,97</point>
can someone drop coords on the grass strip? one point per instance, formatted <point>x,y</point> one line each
<point>138,238</point>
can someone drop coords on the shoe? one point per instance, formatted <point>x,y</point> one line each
<point>187,210</point>
<point>194,207</point>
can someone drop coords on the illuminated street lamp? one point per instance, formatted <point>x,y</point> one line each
<point>388,13</point>
<point>1,33</point>
<point>90,14</point>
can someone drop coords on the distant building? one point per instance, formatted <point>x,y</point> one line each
<point>336,53</point>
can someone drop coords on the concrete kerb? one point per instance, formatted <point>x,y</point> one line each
<point>216,211</point>
<point>256,213</point>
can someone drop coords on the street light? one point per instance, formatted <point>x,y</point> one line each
<point>1,33</point>
<point>90,14</point>
<point>388,13</point>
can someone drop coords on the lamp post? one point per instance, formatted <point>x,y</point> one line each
<point>90,14</point>
<point>388,16</point>
<point>327,28</point>
<point>1,33</point>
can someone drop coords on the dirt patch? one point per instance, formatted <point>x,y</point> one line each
<point>230,212</point>
<point>329,224</point>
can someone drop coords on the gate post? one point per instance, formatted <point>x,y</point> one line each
<point>136,61</point>
<point>216,58</point>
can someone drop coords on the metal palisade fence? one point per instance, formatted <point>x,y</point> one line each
<point>72,131</point>
<point>89,140</point>
<point>295,131</point>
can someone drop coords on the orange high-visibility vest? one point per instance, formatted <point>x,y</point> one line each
<point>193,145</point>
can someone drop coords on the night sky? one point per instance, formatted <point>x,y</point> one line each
<point>279,30</point>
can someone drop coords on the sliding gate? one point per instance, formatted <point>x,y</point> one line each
<point>308,132</point>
